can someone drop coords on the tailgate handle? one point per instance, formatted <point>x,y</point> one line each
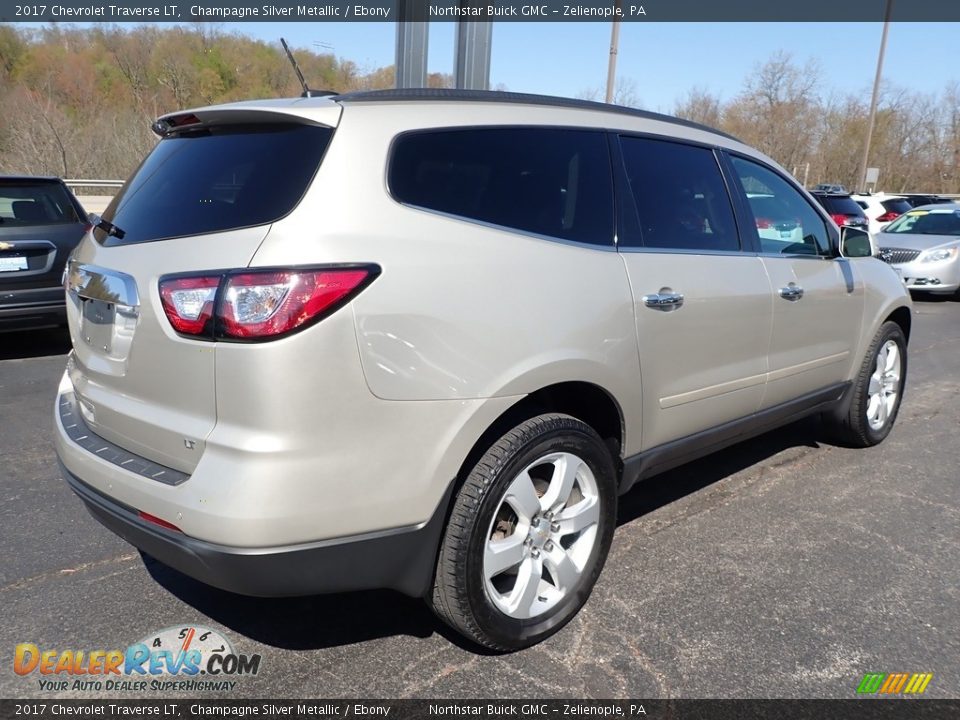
<point>96,283</point>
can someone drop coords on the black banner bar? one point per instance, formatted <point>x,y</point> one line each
<point>139,11</point>
<point>855,709</point>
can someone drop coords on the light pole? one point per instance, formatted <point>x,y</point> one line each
<point>614,43</point>
<point>873,99</point>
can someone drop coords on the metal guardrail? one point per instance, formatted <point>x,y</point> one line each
<point>86,183</point>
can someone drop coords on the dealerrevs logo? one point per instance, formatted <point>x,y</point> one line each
<point>188,658</point>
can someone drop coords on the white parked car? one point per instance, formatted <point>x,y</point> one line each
<point>881,209</point>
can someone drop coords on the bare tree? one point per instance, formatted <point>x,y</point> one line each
<point>625,93</point>
<point>700,106</point>
<point>40,135</point>
<point>777,110</point>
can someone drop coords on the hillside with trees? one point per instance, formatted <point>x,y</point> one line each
<point>79,103</point>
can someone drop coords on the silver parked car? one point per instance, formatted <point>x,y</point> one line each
<point>422,340</point>
<point>923,245</point>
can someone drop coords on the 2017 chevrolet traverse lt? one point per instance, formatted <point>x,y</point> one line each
<point>423,340</point>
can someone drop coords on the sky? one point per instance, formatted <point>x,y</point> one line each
<point>661,62</point>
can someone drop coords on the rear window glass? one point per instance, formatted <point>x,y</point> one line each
<point>841,206</point>
<point>898,206</point>
<point>547,181</point>
<point>217,179</point>
<point>25,203</point>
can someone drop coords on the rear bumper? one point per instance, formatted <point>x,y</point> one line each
<point>34,307</point>
<point>402,559</point>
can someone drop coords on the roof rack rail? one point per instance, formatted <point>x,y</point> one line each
<point>439,94</point>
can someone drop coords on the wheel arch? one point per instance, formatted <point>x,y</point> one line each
<point>585,401</point>
<point>902,317</point>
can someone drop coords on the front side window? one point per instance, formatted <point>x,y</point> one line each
<point>785,223</point>
<point>680,197</point>
<point>547,181</point>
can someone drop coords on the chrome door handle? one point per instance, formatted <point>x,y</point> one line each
<point>791,292</point>
<point>663,300</point>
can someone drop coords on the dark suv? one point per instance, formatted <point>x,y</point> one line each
<point>843,209</point>
<point>40,223</point>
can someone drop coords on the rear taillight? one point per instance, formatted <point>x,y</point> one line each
<point>764,223</point>
<point>188,302</point>
<point>839,218</point>
<point>888,217</point>
<point>259,304</point>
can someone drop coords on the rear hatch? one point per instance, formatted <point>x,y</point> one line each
<point>40,223</point>
<point>204,199</point>
<point>893,208</point>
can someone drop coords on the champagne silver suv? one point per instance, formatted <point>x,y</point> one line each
<point>422,340</point>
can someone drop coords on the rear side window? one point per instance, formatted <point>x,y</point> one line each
<point>553,182</point>
<point>216,179</point>
<point>25,203</point>
<point>680,197</point>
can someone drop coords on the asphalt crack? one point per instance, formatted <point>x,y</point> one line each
<point>82,567</point>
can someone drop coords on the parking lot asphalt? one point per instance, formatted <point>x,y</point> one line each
<point>782,567</point>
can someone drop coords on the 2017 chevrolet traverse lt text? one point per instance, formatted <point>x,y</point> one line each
<point>422,340</point>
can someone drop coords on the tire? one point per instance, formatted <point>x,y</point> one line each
<point>543,496</point>
<point>877,392</point>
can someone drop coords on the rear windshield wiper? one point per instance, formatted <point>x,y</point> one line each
<point>108,227</point>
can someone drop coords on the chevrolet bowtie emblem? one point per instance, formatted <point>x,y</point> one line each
<point>6,246</point>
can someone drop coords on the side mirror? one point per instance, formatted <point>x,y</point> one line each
<point>855,242</point>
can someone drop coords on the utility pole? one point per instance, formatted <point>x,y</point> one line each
<point>411,47</point>
<point>614,44</point>
<point>873,100</point>
<point>471,61</point>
